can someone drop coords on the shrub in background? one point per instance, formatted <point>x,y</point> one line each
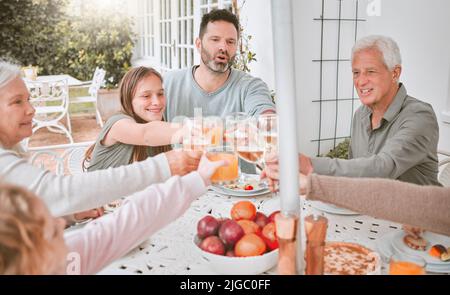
<point>340,151</point>
<point>30,32</point>
<point>104,40</point>
<point>40,32</point>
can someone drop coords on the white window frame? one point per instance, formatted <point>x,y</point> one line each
<point>171,50</point>
<point>146,49</point>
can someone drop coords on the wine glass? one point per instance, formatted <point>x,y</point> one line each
<point>268,135</point>
<point>268,132</point>
<point>242,134</point>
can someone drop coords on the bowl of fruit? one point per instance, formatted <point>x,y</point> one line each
<point>244,244</point>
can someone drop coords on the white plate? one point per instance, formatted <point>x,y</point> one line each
<point>331,208</point>
<point>384,247</point>
<point>245,178</point>
<point>432,238</point>
<point>221,191</point>
<point>238,190</point>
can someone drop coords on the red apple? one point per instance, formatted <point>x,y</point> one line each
<point>213,244</point>
<point>269,236</point>
<point>261,219</point>
<point>222,220</point>
<point>230,232</point>
<point>272,216</point>
<point>207,226</point>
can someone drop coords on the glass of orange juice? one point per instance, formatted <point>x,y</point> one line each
<point>225,174</point>
<point>405,264</point>
<point>213,130</point>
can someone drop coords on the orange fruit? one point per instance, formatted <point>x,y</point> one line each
<point>250,245</point>
<point>243,210</point>
<point>249,226</point>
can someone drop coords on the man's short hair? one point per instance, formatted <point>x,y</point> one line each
<point>218,15</point>
<point>386,46</point>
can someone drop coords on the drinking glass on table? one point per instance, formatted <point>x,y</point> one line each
<point>225,174</point>
<point>406,264</point>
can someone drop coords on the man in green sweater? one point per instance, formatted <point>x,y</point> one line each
<point>214,88</point>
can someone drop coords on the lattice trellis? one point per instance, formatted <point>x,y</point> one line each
<point>339,21</point>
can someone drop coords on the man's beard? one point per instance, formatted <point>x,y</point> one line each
<point>214,66</point>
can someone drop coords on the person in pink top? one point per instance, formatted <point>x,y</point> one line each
<point>33,242</point>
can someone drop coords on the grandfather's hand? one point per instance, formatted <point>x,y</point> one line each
<point>271,173</point>
<point>183,162</point>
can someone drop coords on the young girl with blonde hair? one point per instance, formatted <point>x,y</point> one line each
<point>138,131</point>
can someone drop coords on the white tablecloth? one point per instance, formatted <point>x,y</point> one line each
<point>170,251</point>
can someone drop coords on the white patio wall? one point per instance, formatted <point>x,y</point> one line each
<point>421,28</point>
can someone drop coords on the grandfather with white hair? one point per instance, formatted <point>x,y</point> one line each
<point>393,134</point>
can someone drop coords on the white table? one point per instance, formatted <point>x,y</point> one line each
<point>170,251</point>
<point>71,81</point>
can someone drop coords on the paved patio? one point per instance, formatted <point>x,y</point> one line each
<point>84,128</point>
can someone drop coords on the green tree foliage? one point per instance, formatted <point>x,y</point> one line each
<point>30,32</point>
<point>244,55</point>
<point>40,32</point>
<point>104,40</point>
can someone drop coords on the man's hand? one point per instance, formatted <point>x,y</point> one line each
<point>305,164</point>
<point>183,162</point>
<point>271,172</point>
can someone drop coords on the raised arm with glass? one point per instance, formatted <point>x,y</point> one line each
<point>242,133</point>
<point>255,137</point>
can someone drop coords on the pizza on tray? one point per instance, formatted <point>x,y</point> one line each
<point>342,258</point>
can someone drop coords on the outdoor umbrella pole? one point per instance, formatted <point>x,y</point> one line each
<point>288,224</point>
